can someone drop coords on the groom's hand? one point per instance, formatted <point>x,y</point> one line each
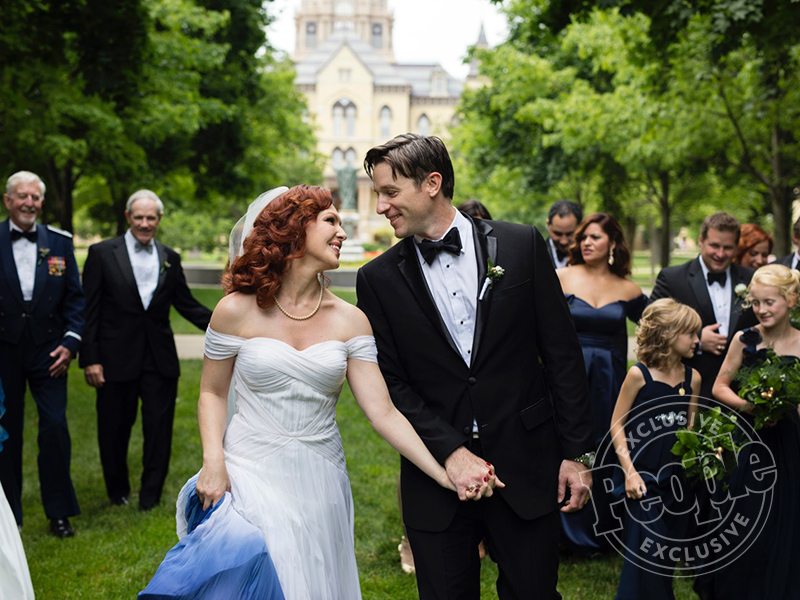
<point>579,480</point>
<point>473,477</point>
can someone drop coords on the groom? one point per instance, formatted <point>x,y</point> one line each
<point>486,365</point>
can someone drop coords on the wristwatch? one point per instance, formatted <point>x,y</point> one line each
<point>587,460</point>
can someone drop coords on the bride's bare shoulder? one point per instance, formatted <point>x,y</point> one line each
<point>351,319</point>
<point>232,312</point>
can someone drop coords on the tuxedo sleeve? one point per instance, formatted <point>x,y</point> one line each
<point>662,287</point>
<point>93,287</point>
<point>439,436</point>
<point>561,356</point>
<point>73,304</point>
<point>183,301</point>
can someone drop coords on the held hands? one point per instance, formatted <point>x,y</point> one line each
<point>578,478</point>
<point>635,489</point>
<point>711,341</point>
<point>212,483</point>
<point>63,357</point>
<point>474,478</point>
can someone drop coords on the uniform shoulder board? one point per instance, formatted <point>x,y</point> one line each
<point>59,231</point>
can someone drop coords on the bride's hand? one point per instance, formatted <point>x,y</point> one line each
<point>212,483</point>
<point>446,482</point>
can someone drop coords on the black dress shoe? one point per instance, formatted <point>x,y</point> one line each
<point>61,528</point>
<point>120,501</point>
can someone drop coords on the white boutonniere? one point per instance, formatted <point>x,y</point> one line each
<point>493,274</point>
<point>740,290</point>
<point>164,266</point>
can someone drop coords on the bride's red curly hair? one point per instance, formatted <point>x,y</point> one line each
<point>278,237</point>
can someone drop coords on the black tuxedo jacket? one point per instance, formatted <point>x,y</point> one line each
<point>57,304</point>
<point>524,352</point>
<point>119,331</point>
<point>786,260</point>
<point>685,283</point>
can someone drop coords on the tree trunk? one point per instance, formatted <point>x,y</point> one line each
<point>781,196</point>
<point>60,186</point>
<point>666,213</point>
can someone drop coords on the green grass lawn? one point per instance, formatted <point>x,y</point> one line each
<point>117,549</point>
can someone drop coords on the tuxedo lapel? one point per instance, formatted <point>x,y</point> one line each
<point>700,290</point>
<point>9,265</point>
<point>42,266</point>
<point>412,273</point>
<point>162,268</point>
<point>125,269</point>
<point>485,250</point>
<point>736,302</point>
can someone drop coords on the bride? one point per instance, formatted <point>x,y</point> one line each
<point>286,343</point>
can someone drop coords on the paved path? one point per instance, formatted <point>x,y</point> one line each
<point>191,346</point>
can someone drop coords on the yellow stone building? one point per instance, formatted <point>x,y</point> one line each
<point>359,96</point>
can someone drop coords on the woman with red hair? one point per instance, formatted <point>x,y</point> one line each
<point>274,480</point>
<point>755,246</point>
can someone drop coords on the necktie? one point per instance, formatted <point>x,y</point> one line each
<point>28,235</point>
<point>139,247</point>
<point>451,243</point>
<point>718,277</point>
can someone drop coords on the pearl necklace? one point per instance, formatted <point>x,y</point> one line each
<point>313,312</point>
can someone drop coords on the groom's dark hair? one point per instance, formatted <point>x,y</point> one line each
<point>414,157</point>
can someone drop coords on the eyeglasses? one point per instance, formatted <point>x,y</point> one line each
<point>34,197</point>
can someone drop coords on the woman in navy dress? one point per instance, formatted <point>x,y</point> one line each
<point>767,567</point>
<point>601,298</point>
<point>656,399</point>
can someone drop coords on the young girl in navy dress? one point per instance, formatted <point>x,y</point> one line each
<point>766,567</point>
<point>656,399</point>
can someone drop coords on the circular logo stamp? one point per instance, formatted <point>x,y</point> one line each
<point>682,527</point>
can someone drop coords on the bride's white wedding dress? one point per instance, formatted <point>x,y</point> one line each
<point>285,459</point>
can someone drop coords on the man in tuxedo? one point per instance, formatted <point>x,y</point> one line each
<point>562,221</point>
<point>708,284</point>
<point>128,350</point>
<point>792,260</point>
<point>41,323</point>
<point>473,341</point>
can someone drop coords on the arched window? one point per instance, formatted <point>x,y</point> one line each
<point>385,121</point>
<point>350,157</point>
<point>377,36</point>
<point>350,117</point>
<point>337,159</point>
<point>344,118</point>
<point>424,125</point>
<point>311,35</point>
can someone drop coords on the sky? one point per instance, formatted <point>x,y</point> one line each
<point>424,30</point>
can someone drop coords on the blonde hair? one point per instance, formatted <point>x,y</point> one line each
<point>780,276</point>
<point>661,324</point>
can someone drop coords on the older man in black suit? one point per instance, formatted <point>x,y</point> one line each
<point>474,338</point>
<point>41,322</point>
<point>708,284</point>
<point>128,349</point>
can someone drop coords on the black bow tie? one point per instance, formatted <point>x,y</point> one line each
<point>561,255</point>
<point>139,247</point>
<point>28,235</point>
<point>451,243</point>
<point>718,277</point>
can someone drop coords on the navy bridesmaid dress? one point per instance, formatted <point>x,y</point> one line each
<point>603,336</point>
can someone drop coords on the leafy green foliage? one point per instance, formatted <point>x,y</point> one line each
<point>772,387</point>
<point>708,450</point>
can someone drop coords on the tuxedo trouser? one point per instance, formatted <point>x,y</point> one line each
<point>117,404</point>
<point>526,552</point>
<point>29,363</point>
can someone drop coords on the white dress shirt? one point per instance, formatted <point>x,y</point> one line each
<point>720,298</point>
<point>453,283</point>
<point>795,260</point>
<point>145,266</point>
<point>557,262</point>
<point>25,259</point>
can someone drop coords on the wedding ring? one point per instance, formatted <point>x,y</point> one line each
<point>720,348</point>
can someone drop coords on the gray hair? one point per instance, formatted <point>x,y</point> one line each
<point>141,194</point>
<point>23,177</point>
